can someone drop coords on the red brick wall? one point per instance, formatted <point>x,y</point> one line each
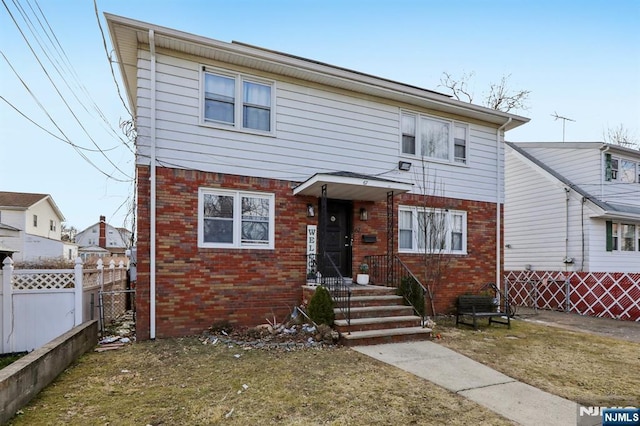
<point>197,287</point>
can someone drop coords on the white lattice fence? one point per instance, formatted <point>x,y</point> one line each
<point>599,294</point>
<point>43,279</point>
<point>537,289</point>
<point>609,295</point>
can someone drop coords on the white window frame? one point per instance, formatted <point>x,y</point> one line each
<point>238,115</point>
<point>452,124</point>
<point>414,210</point>
<point>617,173</point>
<point>237,218</point>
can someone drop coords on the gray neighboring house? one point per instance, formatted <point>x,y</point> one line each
<point>102,240</point>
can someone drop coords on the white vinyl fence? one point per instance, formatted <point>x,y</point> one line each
<point>38,305</point>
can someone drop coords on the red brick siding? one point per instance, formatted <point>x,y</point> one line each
<point>196,287</point>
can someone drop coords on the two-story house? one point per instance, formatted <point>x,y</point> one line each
<point>102,239</point>
<point>30,228</point>
<point>572,214</point>
<point>244,152</point>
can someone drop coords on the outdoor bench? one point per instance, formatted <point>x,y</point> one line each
<point>479,307</point>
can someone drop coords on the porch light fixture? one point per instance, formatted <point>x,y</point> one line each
<point>310,210</point>
<point>364,214</point>
<point>404,166</point>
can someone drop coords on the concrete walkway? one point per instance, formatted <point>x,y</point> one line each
<point>514,400</point>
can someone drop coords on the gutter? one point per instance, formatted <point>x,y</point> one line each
<point>498,215</point>
<point>152,212</point>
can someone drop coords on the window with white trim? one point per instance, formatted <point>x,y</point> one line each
<point>423,230</point>
<point>622,236</point>
<point>430,137</point>
<point>621,170</point>
<point>238,101</point>
<point>235,219</point>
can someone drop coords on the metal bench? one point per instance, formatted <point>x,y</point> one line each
<point>479,307</point>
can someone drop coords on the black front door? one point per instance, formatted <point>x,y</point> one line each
<point>338,235</point>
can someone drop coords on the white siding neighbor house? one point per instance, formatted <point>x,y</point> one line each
<point>30,227</point>
<point>102,239</point>
<point>573,208</point>
<point>244,153</point>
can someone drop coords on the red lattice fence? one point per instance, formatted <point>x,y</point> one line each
<point>598,294</point>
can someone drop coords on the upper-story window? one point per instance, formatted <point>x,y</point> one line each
<point>35,220</point>
<point>430,137</point>
<point>52,225</point>
<point>238,101</point>
<point>621,170</point>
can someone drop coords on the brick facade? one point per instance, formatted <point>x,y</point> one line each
<point>196,287</point>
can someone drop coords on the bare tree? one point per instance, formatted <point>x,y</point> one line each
<point>500,96</point>
<point>622,136</point>
<point>433,231</point>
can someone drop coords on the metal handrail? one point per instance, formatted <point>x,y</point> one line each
<point>340,291</point>
<point>391,271</point>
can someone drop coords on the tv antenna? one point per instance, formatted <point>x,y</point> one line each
<point>564,121</point>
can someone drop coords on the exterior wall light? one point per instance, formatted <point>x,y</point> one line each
<point>364,214</point>
<point>310,210</point>
<point>404,166</point>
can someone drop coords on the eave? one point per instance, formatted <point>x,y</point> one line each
<point>129,35</point>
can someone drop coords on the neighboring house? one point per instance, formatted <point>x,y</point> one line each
<point>243,153</point>
<point>30,227</point>
<point>572,216</point>
<point>102,239</point>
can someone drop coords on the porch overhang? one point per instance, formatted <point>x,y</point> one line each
<point>351,186</point>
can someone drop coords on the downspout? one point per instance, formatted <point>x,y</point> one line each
<point>152,212</point>
<point>567,192</point>
<point>498,215</point>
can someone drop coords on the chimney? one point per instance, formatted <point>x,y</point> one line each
<point>102,237</point>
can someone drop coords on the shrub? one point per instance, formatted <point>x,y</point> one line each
<point>413,294</point>
<point>321,307</point>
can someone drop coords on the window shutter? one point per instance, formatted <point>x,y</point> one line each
<point>607,168</point>
<point>609,226</point>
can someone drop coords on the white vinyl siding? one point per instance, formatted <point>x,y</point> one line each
<point>235,219</point>
<point>315,129</point>
<point>432,230</point>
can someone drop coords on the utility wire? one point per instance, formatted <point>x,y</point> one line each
<point>106,51</point>
<point>56,125</point>
<point>60,94</point>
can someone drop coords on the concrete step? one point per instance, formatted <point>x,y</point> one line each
<point>384,300</point>
<point>376,311</point>
<point>378,323</point>
<point>371,290</point>
<point>394,335</point>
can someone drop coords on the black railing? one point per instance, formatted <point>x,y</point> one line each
<point>391,271</point>
<point>329,277</point>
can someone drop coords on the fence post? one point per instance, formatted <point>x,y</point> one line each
<point>7,306</point>
<point>100,268</point>
<point>78,292</point>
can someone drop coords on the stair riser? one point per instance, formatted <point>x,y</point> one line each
<point>356,291</point>
<point>385,339</point>
<point>378,326</point>
<point>382,312</point>
<point>375,302</point>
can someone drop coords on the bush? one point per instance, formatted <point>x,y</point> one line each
<point>321,307</point>
<point>413,294</point>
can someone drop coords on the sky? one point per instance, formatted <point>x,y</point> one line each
<point>60,111</point>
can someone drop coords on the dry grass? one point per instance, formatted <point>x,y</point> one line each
<point>181,381</point>
<point>588,369</point>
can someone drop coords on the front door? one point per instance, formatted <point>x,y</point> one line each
<point>338,237</point>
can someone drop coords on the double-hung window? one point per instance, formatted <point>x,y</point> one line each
<point>235,219</point>
<point>238,101</point>
<point>621,170</point>
<point>429,137</point>
<point>429,230</point>
<point>622,236</point>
